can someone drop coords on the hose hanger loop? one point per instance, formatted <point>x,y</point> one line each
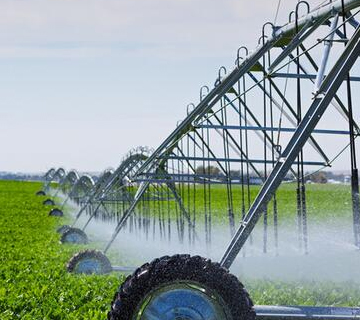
<point>262,39</point>
<point>222,72</point>
<point>190,105</point>
<point>291,15</point>
<point>263,29</point>
<point>202,93</point>
<point>239,57</point>
<point>298,6</point>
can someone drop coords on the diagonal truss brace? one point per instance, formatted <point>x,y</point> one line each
<point>327,90</point>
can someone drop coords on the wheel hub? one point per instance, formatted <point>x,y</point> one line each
<point>73,238</point>
<point>182,301</point>
<point>88,266</point>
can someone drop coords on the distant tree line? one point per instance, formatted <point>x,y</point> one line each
<point>20,176</point>
<point>316,177</point>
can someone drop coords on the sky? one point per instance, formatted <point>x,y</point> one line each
<point>84,81</point>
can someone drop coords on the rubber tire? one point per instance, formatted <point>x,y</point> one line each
<point>40,193</point>
<point>166,270</point>
<point>79,232</point>
<point>63,228</point>
<point>48,202</point>
<point>106,265</point>
<point>55,212</point>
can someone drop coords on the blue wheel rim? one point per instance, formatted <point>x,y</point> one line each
<point>56,212</point>
<point>73,237</point>
<point>182,301</point>
<point>89,265</point>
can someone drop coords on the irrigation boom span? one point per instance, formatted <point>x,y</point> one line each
<point>287,38</point>
<point>217,92</point>
<point>322,99</point>
<point>294,34</point>
<point>175,166</point>
<point>220,134</point>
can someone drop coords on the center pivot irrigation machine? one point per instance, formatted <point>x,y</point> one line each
<point>108,200</point>
<point>77,188</point>
<point>47,180</point>
<point>51,176</point>
<point>286,109</point>
<point>82,193</point>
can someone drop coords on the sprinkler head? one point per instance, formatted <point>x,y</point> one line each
<point>56,212</point>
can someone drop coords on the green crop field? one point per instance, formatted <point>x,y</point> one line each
<point>35,285</point>
<point>323,200</point>
<point>33,280</point>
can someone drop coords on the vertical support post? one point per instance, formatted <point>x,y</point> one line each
<point>355,204</point>
<point>354,170</point>
<point>325,57</point>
